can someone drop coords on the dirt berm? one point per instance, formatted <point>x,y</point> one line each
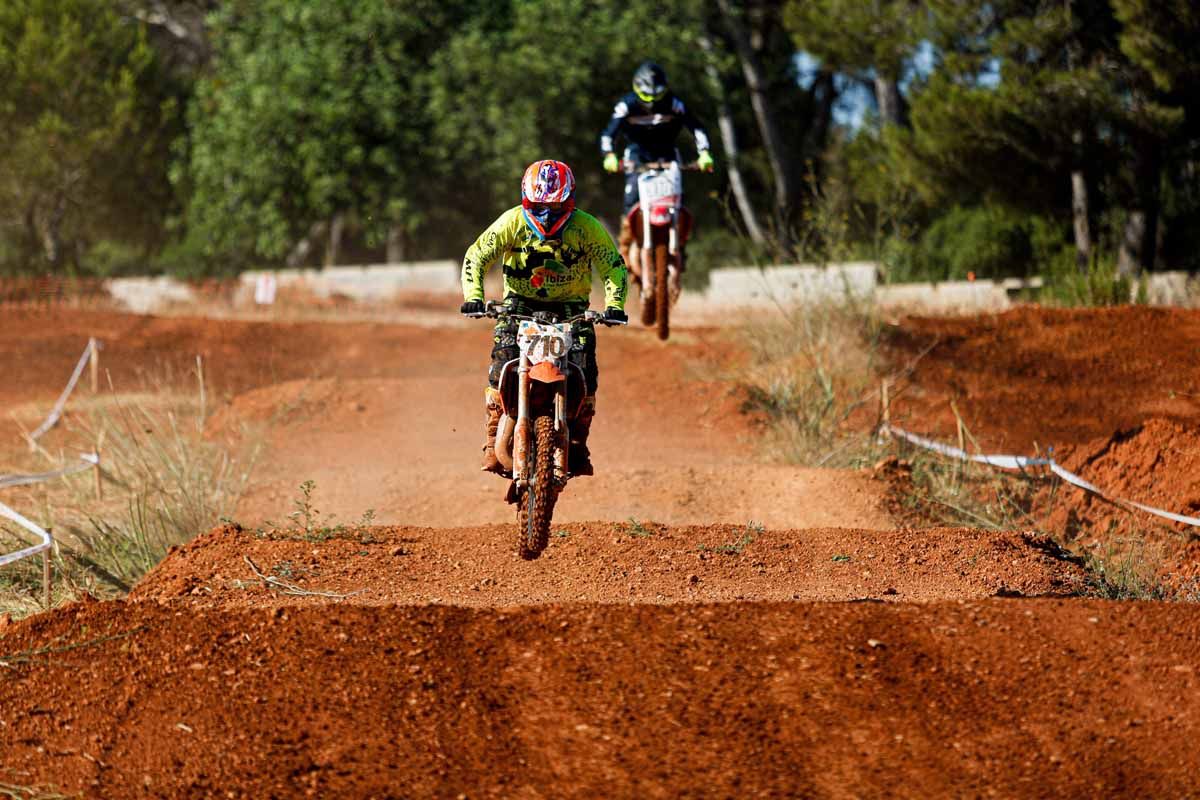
<point>1064,698</point>
<point>601,562</point>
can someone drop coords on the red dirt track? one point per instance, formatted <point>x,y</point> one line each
<point>703,624</point>
<point>1011,698</point>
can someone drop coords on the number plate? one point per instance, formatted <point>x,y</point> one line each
<point>543,342</point>
<point>658,184</point>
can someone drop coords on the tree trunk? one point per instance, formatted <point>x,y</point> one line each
<point>1129,256</point>
<point>824,95</point>
<point>887,97</point>
<point>302,248</point>
<point>778,154</point>
<point>395,244</point>
<point>51,229</point>
<point>1079,207</point>
<point>1140,237</point>
<point>1079,215</point>
<point>334,249</point>
<point>737,184</point>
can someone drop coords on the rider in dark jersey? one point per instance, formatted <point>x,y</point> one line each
<point>650,118</point>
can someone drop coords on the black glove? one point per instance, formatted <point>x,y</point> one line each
<point>615,316</point>
<point>471,308</point>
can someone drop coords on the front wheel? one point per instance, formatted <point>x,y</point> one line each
<point>535,505</point>
<point>662,292</point>
<point>646,288</point>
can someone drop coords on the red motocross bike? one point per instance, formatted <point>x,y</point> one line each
<point>540,393</point>
<point>661,226</point>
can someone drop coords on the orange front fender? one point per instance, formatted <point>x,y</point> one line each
<point>546,372</point>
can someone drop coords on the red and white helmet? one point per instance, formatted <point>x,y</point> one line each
<point>547,197</point>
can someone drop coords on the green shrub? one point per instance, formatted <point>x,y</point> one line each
<point>991,242</point>
<point>1101,285</point>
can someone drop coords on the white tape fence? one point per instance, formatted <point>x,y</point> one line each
<point>43,535</point>
<point>86,461</point>
<point>90,353</point>
<point>1022,462</point>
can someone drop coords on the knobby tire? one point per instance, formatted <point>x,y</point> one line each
<point>536,508</point>
<point>648,302</point>
<point>662,294</point>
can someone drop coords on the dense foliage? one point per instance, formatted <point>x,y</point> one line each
<point>938,137</point>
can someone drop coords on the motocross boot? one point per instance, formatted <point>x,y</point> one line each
<point>579,458</point>
<point>490,462</point>
<point>624,240</point>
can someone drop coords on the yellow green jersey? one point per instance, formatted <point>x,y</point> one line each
<point>551,270</point>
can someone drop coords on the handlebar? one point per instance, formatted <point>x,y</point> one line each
<point>497,310</point>
<point>645,166</point>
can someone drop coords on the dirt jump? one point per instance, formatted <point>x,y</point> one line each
<point>704,623</point>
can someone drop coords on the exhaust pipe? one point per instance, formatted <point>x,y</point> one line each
<point>504,441</point>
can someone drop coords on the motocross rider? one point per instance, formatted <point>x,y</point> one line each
<point>650,117</point>
<point>548,250</point>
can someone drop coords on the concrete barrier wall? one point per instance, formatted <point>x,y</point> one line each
<point>368,283</point>
<point>729,287</point>
<point>146,295</point>
<point>790,283</point>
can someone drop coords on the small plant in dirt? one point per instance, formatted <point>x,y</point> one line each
<point>736,546</point>
<point>286,569</point>
<point>1130,568</point>
<point>562,534</point>
<point>315,527</point>
<point>635,528</point>
<point>840,558</point>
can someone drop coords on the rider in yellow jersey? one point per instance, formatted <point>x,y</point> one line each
<point>548,250</point>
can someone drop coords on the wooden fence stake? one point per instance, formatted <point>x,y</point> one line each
<point>886,401</point>
<point>94,363</point>
<point>46,578</point>
<point>96,471</point>
<point>962,442</point>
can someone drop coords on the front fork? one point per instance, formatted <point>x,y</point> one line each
<point>523,434</point>
<point>647,254</point>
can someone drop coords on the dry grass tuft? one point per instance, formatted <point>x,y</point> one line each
<point>810,371</point>
<point>162,481</point>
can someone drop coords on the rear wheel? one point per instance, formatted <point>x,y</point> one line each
<point>662,292</point>
<point>535,508</point>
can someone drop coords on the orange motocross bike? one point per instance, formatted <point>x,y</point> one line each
<point>661,226</point>
<point>541,392</point>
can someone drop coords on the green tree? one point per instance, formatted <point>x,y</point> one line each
<point>86,117</point>
<point>872,42</point>
<point>537,80</point>
<point>314,118</point>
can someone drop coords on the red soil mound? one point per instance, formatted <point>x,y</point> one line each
<point>1051,377</point>
<point>1156,464</point>
<point>1032,698</point>
<point>610,563</point>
